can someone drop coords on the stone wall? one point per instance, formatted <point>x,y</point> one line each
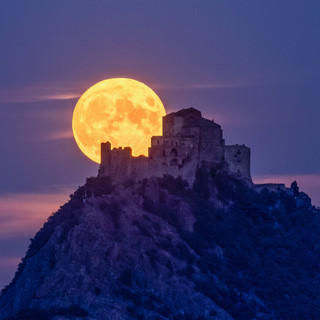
<point>172,150</point>
<point>171,125</point>
<point>115,162</point>
<point>188,140</point>
<point>120,165</point>
<point>211,144</point>
<point>238,159</point>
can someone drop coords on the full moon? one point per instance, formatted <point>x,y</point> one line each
<point>123,111</point>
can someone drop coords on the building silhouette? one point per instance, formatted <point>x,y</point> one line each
<point>188,141</point>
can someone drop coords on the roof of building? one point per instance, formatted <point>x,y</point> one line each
<point>192,118</point>
<point>187,112</point>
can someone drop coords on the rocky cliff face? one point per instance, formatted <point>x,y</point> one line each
<point>158,250</point>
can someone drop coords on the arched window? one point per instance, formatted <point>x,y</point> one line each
<point>174,162</point>
<point>173,153</point>
<point>164,153</point>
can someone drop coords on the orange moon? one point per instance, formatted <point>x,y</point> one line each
<point>123,111</point>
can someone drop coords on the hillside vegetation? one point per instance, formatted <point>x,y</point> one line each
<point>157,249</point>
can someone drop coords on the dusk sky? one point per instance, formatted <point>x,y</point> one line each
<point>252,66</point>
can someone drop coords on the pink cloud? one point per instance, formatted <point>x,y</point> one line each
<point>24,214</point>
<point>308,183</point>
<point>21,216</point>
<point>58,135</point>
<point>9,261</point>
<point>8,266</point>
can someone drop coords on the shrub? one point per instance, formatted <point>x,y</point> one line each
<point>76,310</point>
<point>126,277</point>
<point>144,231</point>
<point>98,186</point>
<point>97,291</point>
<point>176,186</point>
<point>32,314</point>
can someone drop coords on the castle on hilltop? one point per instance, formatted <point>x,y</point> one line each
<point>188,141</point>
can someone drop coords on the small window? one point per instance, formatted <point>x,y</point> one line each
<point>174,153</point>
<point>174,162</point>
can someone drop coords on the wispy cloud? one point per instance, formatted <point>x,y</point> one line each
<point>9,261</point>
<point>57,135</point>
<point>219,85</point>
<point>21,216</point>
<point>308,183</point>
<point>24,214</point>
<point>8,266</point>
<point>41,93</point>
<point>210,85</point>
<point>52,122</point>
<point>65,91</point>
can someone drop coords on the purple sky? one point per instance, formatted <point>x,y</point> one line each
<point>253,66</point>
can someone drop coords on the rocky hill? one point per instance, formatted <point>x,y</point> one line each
<point>157,249</point>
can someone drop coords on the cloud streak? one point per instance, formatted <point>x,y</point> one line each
<point>21,216</point>
<point>210,85</point>
<point>41,93</point>
<point>9,261</point>
<point>24,214</point>
<point>66,91</point>
<point>57,135</point>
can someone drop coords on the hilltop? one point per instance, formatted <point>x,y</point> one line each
<point>160,249</point>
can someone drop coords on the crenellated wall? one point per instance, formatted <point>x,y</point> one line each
<point>116,161</point>
<point>119,164</point>
<point>187,141</point>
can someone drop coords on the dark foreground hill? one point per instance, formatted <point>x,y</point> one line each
<point>158,250</point>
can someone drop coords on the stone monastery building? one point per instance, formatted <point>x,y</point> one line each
<point>188,141</point>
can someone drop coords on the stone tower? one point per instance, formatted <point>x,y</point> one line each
<point>186,134</point>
